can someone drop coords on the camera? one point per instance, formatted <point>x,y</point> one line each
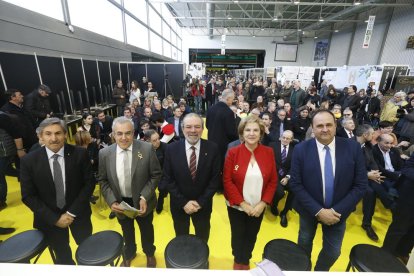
<point>401,111</point>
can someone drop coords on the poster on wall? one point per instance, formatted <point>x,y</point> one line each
<point>352,75</point>
<point>321,50</point>
<point>306,76</point>
<point>196,70</point>
<point>386,79</point>
<point>404,83</point>
<point>399,71</point>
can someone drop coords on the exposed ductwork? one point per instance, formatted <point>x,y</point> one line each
<point>211,9</point>
<point>340,15</point>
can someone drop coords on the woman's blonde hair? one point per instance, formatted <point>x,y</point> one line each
<point>83,138</point>
<point>249,120</point>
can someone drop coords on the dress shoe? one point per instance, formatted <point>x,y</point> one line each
<point>160,205</point>
<point>3,205</point>
<point>283,221</point>
<point>370,232</point>
<point>151,261</point>
<point>237,266</point>
<point>127,263</point>
<point>112,215</point>
<point>6,231</point>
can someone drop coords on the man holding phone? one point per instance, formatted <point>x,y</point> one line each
<point>129,171</point>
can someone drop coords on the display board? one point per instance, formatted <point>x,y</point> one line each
<point>157,75</point>
<point>115,72</point>
<point>76,82</point>
<point>53,75</point>
<point>286,52</point>
<point>20,71</point>
<point>92,80</point>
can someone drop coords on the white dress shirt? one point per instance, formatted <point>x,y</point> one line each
<point>125,191</point>
<point>253,185</point>
<point>322,154</point>
<point>387,160</point>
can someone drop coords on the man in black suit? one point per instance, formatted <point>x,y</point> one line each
<point>389,163</point>
<point>56,184</point>
<point>221,124</point>
<point>351,100</point>
<point>399,239</point>
<point>176,122</point>
<point>104,126</point>
<point>192,173</point>
<point>210,92</point>
<point>280,123</point>
<point>348,128</point>
<point>283,150</point>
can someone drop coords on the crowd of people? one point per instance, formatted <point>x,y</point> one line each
<point>264,140</point>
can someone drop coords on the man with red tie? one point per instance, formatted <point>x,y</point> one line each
<point>192,172</point>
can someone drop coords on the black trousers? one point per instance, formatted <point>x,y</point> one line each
<point>147,233</point>
<point>58,238</point>
<point>200,219</point>
<point>279,194</point>
<point>244,230</point>
<point>369,200</point>
<point>399,239</point>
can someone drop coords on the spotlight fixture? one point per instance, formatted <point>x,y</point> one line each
<point>236,1</point>
<point>321,19</point>
<point>229,17</point>
<point>299,30</point>
<point>336,31</point>
<point>315,37</point>
<point>275,18</point>
<point>357,3</point>
<point>296,2</point>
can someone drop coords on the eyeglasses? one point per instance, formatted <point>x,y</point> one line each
<point>347,114</point>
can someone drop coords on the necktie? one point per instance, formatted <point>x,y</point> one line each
<point>281,129</point>
<point>329,178</point>
<point>281,170</point>
<point>58,179</point>
<point>127,173</point>
<point>351,134</point>
<point>193,163</point>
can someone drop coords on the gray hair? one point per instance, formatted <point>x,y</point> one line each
<point>120,121</point>
<point>401,94</point>
<point>192,115</point>
<point>346,120</point>
<point>51,121</point>
<point>226,94</point>
<point>363,129</point>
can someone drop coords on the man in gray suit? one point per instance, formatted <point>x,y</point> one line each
<point>129,171</point>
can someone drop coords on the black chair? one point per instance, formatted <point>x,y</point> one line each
<point>23,247</point>
<point>287,255</point>
<point>187,251</point>
<point>100,249</point>
<point>370,258</point>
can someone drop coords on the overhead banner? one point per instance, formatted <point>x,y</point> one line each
<point>368,32</point>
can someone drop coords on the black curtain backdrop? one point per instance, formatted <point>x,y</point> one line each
<point>92,80</point>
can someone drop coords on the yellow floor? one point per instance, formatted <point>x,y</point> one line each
<point>19,216</point>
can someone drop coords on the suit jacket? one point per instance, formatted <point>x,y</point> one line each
<point>171,121</point>
<point>177,176</point>
<point>276,146</point>
<point>39,192</point>
<point>145,175</point>
<point>221,126</point>
<point>209,92</point>
<point>235,168</point>
<point>396,162</point>
<point>341,132</point>
<point>306,177</point>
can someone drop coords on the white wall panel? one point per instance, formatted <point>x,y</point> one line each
<point>401,27</point>
<point>339,48</point>
<point>361,56</point>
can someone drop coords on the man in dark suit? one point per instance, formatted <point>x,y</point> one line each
<point>104,126</point>
<point>192,177</point>
<point>328,181</point>
<point>280,123</point>
<point>351,100</point>
<point>210,92</point>
<point>221,124</point>
<point>56,184</point>
<point>399,239</point>
<point>129,172</point>
<point>347,130</point>
<point>389,162</point>
<point>283,150</point>
<point>176,122</point>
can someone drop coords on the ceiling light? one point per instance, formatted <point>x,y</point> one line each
<point>321,19</point>
<point>236,1</point>
<point>254,36</point>
<point>299,30</point>
<point>229,18</point>
<point>366,21</point>
<point>315,37</point>
<point>262,29</point>
<point>357,3</point>
<point>275,18</point>
<point>336,31</point>
<point>296,2</point>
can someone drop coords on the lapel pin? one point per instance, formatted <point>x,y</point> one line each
<point>236,167</point>
<point>140,155</point>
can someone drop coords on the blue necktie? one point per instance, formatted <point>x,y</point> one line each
<point>329,178</point>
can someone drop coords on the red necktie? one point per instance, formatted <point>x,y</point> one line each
<point>193,163</point>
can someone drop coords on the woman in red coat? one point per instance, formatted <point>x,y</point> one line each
<point>249,181</point>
